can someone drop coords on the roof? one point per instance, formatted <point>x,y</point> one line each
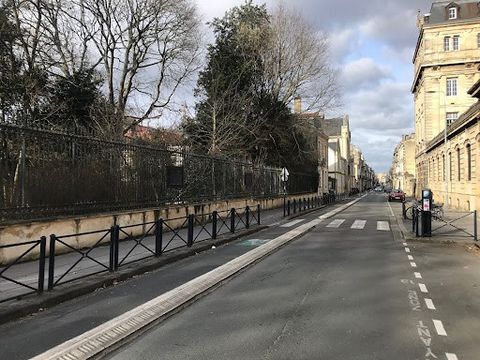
<point>467,9</point>
<point>333,127</point>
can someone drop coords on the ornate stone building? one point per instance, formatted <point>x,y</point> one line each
<point>402,173</point>
<point>446,60</point>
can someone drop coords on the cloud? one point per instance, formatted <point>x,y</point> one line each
<point>363,73</point>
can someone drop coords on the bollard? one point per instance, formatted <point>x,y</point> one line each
<point>417,233</point>
<point>288,211</point>
<point>51,262</point>
<point>41,264</point>
<point>158,237</point>
<point>294,206</point>
<point>116,247</point>
<point>413,219</point>
<point>191,221</point>
<point>404,212</point>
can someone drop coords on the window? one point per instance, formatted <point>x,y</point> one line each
<point>469,162</point>
<point>451,117</point>
<point>452,13</point>
<point>438,168</point>
<point>444,169</point>
<point>446,43</point>
<point>433,169</point>
<point>459,169</point>
<point>452,87</point>
<point>456,42</point>
<point>478,40</point>
<point>450,166</point>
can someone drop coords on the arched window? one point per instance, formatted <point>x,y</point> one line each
<point>450,166</point>
<point>438,169</point>
<point>433,169</point>
<point>469,162</point>
<point>459,169</point>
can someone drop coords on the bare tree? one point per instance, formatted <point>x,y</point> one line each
<point>147,48</point>
<point>296,61</point>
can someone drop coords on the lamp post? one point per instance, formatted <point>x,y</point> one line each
<point>445,138</point>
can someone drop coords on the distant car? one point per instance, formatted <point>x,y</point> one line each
<point>378,189</point>
<point>396,194</point>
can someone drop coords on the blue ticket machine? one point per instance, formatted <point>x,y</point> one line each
<point>427,200</point>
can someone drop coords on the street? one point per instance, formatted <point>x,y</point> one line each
<point>348,289</point>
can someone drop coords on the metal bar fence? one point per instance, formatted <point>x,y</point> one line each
<point>46,173</point>
<point>303,204</point>
<point>19,284</point>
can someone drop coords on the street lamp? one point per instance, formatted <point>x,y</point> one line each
<point>447,162</point>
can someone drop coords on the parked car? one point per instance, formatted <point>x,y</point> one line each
<point>396,194</point>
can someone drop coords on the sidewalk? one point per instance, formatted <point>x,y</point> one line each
<point>85,277</point>
<point>455,226</point>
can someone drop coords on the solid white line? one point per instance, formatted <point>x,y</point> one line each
<point>391,211</point>
<point>418,275</point>
<point>429,304</point>
<point>407,250</point>
<point>410,257</point>
<point>423,288</point>
<point>359,224</point>
<point>412,264</point>
<point>336,223</point>
<point>383,226</point>
<point>292,223</point>
<point>439,327</point>
<point>451,356</point>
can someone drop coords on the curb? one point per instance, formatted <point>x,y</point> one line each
<point>114,333</point>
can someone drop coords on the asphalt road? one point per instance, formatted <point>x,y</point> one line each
<point>336,293</point>
<point>349,289</point>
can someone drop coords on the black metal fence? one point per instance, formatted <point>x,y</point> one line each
<point>45,173</point>
<point>301,204</point>
<point>113,249</point>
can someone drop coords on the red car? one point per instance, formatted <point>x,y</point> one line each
<point>396,195</point>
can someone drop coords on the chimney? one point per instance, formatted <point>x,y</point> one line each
<point>297,105</point>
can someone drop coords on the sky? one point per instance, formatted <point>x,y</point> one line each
<point>372,44</point>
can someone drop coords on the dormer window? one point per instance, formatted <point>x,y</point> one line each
<point>452,13</point>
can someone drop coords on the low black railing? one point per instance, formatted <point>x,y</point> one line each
<point>32,284</point>
<point>302,204</point>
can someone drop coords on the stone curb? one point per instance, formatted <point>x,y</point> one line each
<point>114,333</point>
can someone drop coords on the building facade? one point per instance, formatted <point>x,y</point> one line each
<point>402,173</point>
<point>446,63</point>
<point>339,159</point>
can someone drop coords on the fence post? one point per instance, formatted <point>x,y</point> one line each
<point>258,214</point>
<point>214,224</point>
<point>404,213</point>
<point>112,249</point>
<point>158,237</point>
<point>191,220</point>
<point>294,206</point>
<point>232,220</point>
<point>304,204</point>
<point>247,217</point>
<point>417,234</point>
<point>414,214</point>
<point>51,262</point>
<point>41,264</point>
<point>116,246</point>
<point>475,234</point>
<point>288,208</point>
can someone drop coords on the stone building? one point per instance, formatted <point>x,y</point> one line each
<point>446,63</point>
<point>402,173</point>
<point>315,122</point>
<point>339,159</point>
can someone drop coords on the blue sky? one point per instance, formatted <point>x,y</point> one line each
<point>372,44</point>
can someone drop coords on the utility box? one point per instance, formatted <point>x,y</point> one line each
<point>426,217</point>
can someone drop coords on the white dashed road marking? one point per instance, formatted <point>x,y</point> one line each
<point>410,257</point>
<point>407,250</point>
<point>429,304</point>
<point>451,356</point>
<point>336,223</point>
<point>359,224</point>
<point>292,223</point>
<point>418,275</point>
<point>439,327</point>
<point>423,288</point>
<point>405,244</point>
<point>412,264</point>
<point>383,226</point>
